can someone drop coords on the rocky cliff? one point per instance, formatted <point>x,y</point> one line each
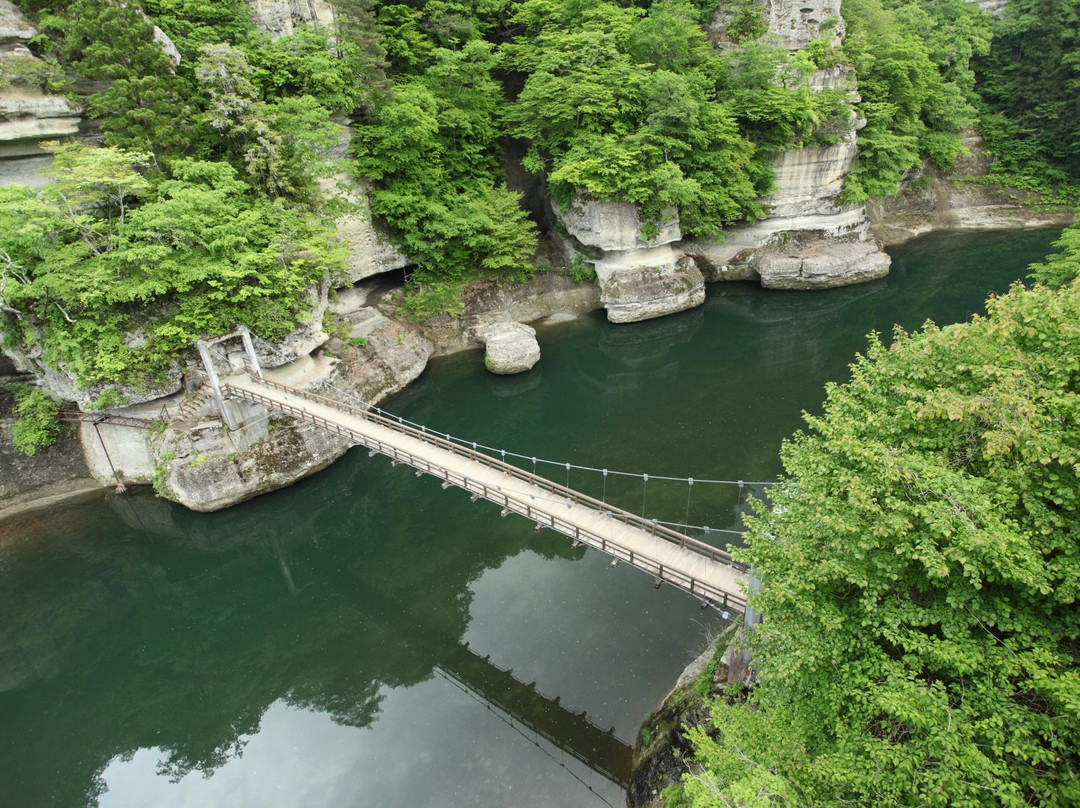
<point>28,114</point>
<point>808,240</point>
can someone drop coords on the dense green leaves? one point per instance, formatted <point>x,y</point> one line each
<point>104,254</point>
<point>920,573</point>
<point>37,421</point>
<point>1030,82</point>
<point>913,71</point>
<point>619,104</point>
<point>431,152</point>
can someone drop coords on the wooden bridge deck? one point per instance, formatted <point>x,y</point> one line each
<point>669,556</point>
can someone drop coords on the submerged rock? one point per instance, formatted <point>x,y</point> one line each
<point>509,347</point>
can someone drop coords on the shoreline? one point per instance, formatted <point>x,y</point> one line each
<point>447,336</point>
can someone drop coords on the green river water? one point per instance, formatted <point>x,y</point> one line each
<point>365,638</point>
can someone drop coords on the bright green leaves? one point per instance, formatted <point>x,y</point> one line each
<point>621,105</point>
<point>920,578</point>
<point>37,420</point>
<point>1062,266</point>
<point>431,151</point>
<point>104,252</point>
<point>913,66</point>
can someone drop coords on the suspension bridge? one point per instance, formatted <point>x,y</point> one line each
<point>645,544</point>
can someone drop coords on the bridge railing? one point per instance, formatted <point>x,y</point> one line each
<point>649,525</point>
<point>512,501</point>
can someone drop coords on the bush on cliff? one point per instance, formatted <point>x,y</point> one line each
<point>920,575</point>
<point>115,269</point>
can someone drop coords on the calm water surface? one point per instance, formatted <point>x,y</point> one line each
<point>365,638</point>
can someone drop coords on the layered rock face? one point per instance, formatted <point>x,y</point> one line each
<point>27,115</point>
<point>640,278</point>
<point>799,22</point>
<point>281,17</point>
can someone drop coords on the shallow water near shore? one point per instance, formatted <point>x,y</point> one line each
<point>367,638</point>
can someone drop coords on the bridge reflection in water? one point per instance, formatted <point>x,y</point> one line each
<point>541,716</point>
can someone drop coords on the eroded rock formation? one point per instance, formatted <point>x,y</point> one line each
<point>28,115</point>
<point>508,347</point>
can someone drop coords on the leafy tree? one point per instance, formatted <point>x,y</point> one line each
<point>431,151</point>
<point>37,421</point>
<point>1030,82</point>
<point>920,574</point>
<point>106,252</point>
<point>1060,267</point>
<point>278,145</point>
<point>602,123</point>
<point>914,75</point>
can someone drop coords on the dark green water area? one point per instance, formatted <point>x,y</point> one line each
<point>365,638</point>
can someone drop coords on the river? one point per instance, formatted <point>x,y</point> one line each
<point>365,638</point>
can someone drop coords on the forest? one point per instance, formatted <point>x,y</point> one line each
<point>919,569</point>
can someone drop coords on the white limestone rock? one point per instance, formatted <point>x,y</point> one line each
<point>810,180</point>
<point>614,225</point>
<point>370,250</point>
<point>994,7</point>
<point>167,45</point>
<point>641,285</point>
<point>281,17</point>
<point>821,263</point>
<point>28,117</point>
<point>799,22</point>
<point>13,25</point>
<point>509,347</point>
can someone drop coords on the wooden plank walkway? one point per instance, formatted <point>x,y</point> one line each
<point>687,563</point>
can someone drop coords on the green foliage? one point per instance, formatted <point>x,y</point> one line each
<point>582,271</point>
<point>37,420</point>
<point>1063,266</point>
<point>1030,83</point>
<point>110,398</point>
<point>106,252</point>
<point>913,66</point>
<point>43,75</point>
<point>426,298</point>
<point>621,105</point>
<point>431,149</point>
<point>920,576</point>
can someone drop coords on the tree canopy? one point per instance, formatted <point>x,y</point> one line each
<point>920,571</point>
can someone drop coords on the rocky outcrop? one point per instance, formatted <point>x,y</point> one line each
<point>994,7</point>
<point>508,347</point>
<point>820,263</point>
<point>28,115</point>
<point>952,201</point>
<point>369,250</point>
<point>615,226</point>
<point>205,468</point>
<point>799,22</point>
<point>280,17</point>
<point>545,295</point>
<point>648,283</point>
<point>639,274</point>
<point>14,28</point>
